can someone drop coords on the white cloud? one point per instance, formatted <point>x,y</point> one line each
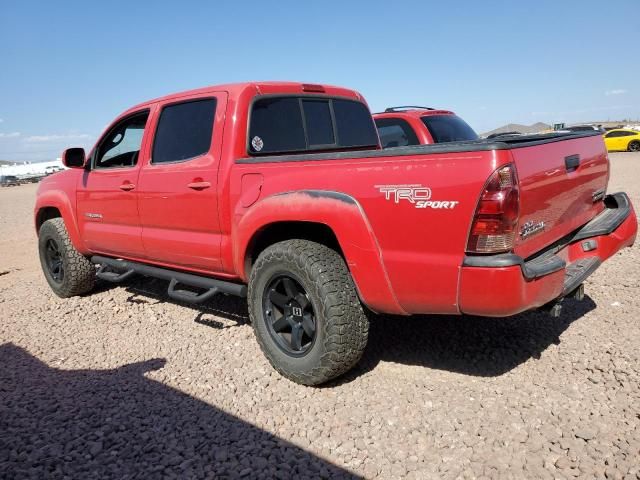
<point>55,137</point>
<point>616,91</point>
<point>10,135</point>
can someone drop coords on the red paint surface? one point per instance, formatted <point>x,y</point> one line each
<point>403,259</point>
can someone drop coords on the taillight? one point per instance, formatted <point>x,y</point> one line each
<point>494,223</point>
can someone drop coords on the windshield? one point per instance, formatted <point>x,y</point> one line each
<point>448,128</point>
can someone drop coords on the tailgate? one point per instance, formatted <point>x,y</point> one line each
<point>562,184</point>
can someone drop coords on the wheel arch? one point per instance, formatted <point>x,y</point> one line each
<point>275,232</point>
<point>331,218</point>
<point>55,204</point>
<point>46,213</point>
<point>635,141</point>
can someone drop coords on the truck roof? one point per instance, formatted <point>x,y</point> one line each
<point>264,88</point>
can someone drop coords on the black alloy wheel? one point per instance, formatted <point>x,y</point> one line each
<point>289,315</point>
<point>54,262</point>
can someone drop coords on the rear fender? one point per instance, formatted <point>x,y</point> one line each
<point>345,217</point>
<point>59,200</point>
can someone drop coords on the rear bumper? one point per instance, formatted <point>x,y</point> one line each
<point>506,284</point>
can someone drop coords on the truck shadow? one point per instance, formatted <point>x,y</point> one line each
<point>477,346</point>
<point>232,310</point>
<point>119,424</point>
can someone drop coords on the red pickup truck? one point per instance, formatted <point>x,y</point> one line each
<point>412,125</point>
<point>281,193</point>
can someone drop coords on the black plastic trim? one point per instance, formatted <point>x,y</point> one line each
<point>578,272</point>
<point>572,162</point>
<point>497,261</point>
<point>173,276</point>
<point>450,147</point>
<point>342,197</point>
<point>617,211</point>
<point>538,267</point>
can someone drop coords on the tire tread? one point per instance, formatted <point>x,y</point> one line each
<point>79,273</point>
<point>346,324</point>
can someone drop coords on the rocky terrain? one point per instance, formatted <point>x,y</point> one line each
<point>126,383</point>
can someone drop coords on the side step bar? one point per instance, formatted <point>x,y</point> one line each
<point>128,268</point>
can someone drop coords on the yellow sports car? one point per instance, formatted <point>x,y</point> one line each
<point>622,139</point>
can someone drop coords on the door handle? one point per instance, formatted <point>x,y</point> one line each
<point>572,162</point>
<point>127,187</point>
<point>199,185</point>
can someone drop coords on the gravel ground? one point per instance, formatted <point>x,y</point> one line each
<point>126,383</point>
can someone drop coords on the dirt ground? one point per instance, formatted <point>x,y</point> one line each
<point>126,383</point>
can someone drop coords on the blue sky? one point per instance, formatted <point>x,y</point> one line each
<point>69,67</point>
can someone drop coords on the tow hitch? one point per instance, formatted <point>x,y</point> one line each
<point>555,308</point>
<point>578,293</point>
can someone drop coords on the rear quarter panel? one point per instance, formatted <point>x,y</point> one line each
<point>421,249</point>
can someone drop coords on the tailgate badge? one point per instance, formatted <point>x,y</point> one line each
<point>531,228</point>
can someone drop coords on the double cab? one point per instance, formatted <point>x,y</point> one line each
<point>282,193</point>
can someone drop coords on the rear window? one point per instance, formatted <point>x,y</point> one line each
<point>395,132</point>
<point>317,116</point>
<point>448,128</point>
<point>306,124</point>
<point>184,131</point>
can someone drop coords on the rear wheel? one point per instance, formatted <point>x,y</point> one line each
<point>305,311</point>
<point>67,271</point>
<point>634,146</point>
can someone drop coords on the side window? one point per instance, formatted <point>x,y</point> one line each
<point>121,146</point>
<point>396,132</point>
<point>184,131</point>
<point>618,133</point>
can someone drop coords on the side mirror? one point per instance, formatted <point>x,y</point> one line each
<point>74,158</point>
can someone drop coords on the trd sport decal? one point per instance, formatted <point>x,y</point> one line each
<point>415,194</point>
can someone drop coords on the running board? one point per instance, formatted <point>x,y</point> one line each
<point>128,268</point>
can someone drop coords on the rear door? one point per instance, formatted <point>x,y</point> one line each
<point>107,192</point>
<point>178,186</point>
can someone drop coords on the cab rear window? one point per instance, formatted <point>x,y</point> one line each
<point>448,128</point>
<point>308,124</point>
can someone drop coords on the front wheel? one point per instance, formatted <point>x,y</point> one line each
<point>305,311</point>
<point>634,146</point>
<point>66,270</point>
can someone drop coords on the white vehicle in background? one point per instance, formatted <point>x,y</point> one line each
<point>582,128</point>
<point>52,169</point>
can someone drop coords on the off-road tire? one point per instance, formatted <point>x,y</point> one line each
<point>341,324</point>
<point>634,146</point>
<point>79,273</point>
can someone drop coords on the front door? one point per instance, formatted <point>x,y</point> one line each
<point>178,186</point>
<point>107,194</point>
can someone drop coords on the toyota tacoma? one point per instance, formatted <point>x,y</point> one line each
<point>281,193</point>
